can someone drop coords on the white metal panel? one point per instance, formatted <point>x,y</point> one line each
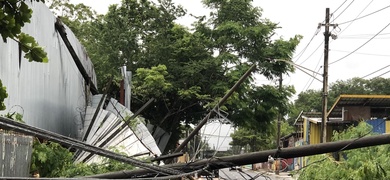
<point>49,95</point>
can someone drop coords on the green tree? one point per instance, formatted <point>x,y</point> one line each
<point>189,77</point>
<point>50,159</point>
<point>362,163</point>
<point>14,14</point>
<point>3,95</point>
<point>260,140</point>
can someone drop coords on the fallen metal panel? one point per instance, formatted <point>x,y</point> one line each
<point>132,141</point>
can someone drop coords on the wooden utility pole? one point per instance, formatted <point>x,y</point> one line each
<point>279,120</point>
<point>325,78</point>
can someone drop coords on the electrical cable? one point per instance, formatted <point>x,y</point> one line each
<point>173,176</point>
<point>364,15</point>
<point>50,136</point>
<point>356,17</point>
<point>313,52</point>
<point>382,74</point>
<point>360,46</point>
<point>375,71</point>
<point>304,49</point>
<point>343,10</point>
<point>312,79</point>
<point>368,54</point>
<point>364,135</point>
<point>136,135</point>
<point>364,35</point>
<point>339,7</point>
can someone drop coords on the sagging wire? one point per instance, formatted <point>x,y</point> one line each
<point>124,121</point>
<point>174,176</point>
<point>323,159</point>
<point>364,15</point>
<point>361,45</point>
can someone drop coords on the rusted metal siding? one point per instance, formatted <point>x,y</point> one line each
<point>49,95</point>
<point>15,155</point>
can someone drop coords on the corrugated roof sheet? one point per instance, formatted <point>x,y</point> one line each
<point>358,100</point>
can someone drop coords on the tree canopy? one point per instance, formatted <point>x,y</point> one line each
<point>188,69</point>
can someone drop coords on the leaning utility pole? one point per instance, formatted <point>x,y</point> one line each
<point>220,103</point>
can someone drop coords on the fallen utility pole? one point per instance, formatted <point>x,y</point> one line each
<point>262,156</point>
<point>220,103</point>
<point>9,124</point>
<point>61,30</point>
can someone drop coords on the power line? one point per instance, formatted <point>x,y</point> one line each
<point>312,52</point>
<point>312,80</point>
<point>339,7</point>
<point>315,33</point>
<point>343,10</point>
<point>360,46</point>
<point>364,35</point>
<point>365,15</point>
<point>346,146</point>
<point>368,54</point>
<point>357,16</point>
<point>382,74</point>
<point>304,49</point>
<point>375,71</point>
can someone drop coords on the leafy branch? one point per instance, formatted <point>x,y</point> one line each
<point>13,16</point>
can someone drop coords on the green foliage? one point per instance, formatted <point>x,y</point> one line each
<point>3,95</point>
<point>50,159</point>
<point>309,101</point>
<point>13,16</point>
<point>15,116</point>
<point>260,140</point>
<point>362,163</point>
<point>187,71</point>
<point>147,81</point>
<point>33,51</point>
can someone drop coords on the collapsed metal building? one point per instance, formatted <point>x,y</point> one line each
<point>61,96</point>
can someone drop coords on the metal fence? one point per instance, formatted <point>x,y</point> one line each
<point>15,154</point>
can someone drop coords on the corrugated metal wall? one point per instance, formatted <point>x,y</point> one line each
<point>378,125</point>
<point>15,155</point>
<point>49,95</point>
<point>315,132</point>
